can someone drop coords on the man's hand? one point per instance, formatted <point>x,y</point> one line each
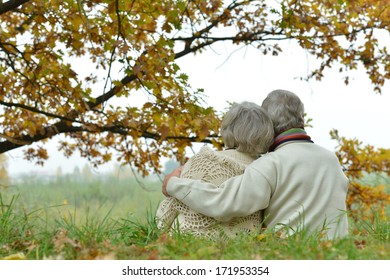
<point>175,173</point>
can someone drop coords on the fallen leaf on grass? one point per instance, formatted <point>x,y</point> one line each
<point>61,239</point>
<point>261,237</point>
<point>326,244</point>
<point>360,244</point>
<point>153,255</point>
<point>17,256</point>
<point>257,257</point>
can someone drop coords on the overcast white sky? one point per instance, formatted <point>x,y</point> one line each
<point>355,110</point>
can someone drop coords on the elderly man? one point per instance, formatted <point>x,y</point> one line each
<point>298,184</point>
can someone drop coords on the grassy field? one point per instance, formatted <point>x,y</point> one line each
<point>113,218</point>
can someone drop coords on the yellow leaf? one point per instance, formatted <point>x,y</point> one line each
<point>17,256</point>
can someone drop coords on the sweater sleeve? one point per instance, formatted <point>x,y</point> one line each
<point>237,197</point>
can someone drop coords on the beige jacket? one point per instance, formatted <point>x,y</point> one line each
<point>299,185</point>
<point>213,167</point>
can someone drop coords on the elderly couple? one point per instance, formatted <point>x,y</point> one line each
<point>270,174</point>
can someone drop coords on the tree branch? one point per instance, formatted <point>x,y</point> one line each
<point>66,127</point>
<point>60,127</point>
<point>10,5</point>
<point>106,96</point>
<point>35,110</point>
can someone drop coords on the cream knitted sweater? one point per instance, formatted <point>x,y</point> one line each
<point>213,167</point>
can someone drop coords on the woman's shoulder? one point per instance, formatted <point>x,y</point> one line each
<point>205,150</point>
<point>205,154</point>
<point>228,158</point>
<point>236,156</point>
<point>229,154</point>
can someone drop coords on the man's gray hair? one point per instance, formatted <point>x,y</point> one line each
<point>285,109</point>
<point>247,128</point>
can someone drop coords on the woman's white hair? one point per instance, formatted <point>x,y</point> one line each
<point>285,109</point>
<point>247,128</point>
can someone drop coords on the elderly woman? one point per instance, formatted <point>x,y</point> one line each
<point>247,132</point>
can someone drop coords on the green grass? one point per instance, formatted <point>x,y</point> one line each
<point>114,219</point>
